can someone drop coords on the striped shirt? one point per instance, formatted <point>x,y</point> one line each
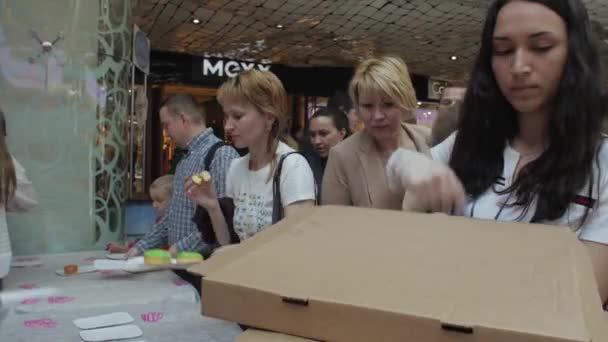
<point>176,226</point>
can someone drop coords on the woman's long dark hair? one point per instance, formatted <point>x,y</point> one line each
<point>488,121</point>
<point>8,178</point>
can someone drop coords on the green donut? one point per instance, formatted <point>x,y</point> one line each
<point>189,257</point>
<point>157,257</point>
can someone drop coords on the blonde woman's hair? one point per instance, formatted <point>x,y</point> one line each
<point>8,177</point>
<point>263,90</point>
<point>164,184</point>
<point>389,76</point>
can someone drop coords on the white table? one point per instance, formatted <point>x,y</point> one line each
<point>90,294</point>
<point>177,322</point>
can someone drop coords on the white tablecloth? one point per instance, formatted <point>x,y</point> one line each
<point>162,322</point>
<point>159,294</point>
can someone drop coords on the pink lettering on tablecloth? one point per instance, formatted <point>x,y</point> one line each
<point>28,286</point>
<point>107,272</point>
<point>60,299</point>
<point>26,259</point>
<point>180,282</point>
<point>44,323</point>
<point>30,301</point>
<point>152,317</point>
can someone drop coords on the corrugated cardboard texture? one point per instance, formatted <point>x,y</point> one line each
<point>368,275</point>
<point>252,335</point>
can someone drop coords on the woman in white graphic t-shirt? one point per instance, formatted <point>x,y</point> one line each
<point>528,146</point>
<point>255,106</point>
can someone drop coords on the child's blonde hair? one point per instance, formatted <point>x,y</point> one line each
<point>164,184</point>
<point>387,75</point>
<point>264,90</point>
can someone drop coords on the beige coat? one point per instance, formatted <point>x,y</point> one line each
<point>355,174</point>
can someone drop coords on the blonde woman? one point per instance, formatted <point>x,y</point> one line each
<point>16,194</point>
<point>384,100</point>
<point>256,107</point>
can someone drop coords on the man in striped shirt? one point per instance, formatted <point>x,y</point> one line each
<point>184,121</point>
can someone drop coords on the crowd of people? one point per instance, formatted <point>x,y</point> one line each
<point>521,141</point>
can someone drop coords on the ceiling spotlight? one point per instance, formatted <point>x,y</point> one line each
<point>196,21</point>
<point>279,26</point>
<point>454,58</point>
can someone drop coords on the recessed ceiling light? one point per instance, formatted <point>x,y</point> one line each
<point>279,26</point>
<point>196,21</point>
<point>454,58</point>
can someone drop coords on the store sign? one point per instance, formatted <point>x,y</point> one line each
<point>435,88</point>
<point>229,68</point>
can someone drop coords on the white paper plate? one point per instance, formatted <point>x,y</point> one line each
<point>103,321</point>
<point>135,265</point>
<point>109,334</point>
<point>115,256</point>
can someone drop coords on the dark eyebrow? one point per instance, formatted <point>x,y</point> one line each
<point>534,35</point>
<point>541,34</point>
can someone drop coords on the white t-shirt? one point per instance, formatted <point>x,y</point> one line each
<point>251,191</point>
<point>490,205</point>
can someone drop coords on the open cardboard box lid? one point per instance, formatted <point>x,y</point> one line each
<point>352,274</point>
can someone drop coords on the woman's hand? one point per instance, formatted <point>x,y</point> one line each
<point>114,247</point>
<point>173,251</point>
<point>203,194</point>
<point>132,252</point>
<point>430,186</point>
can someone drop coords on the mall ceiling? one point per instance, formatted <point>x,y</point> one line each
<point>435,37</point>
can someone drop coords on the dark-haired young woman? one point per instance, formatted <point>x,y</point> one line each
<point>528,147</point>
<point>327,128</point>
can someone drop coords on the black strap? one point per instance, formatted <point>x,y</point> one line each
<point>277,206</point>
<point>211,154</point>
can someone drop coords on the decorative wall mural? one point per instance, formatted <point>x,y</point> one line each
<point>46,46</point>
<point>64,77</point>
<point>111,160</point>
<point>51,106</point>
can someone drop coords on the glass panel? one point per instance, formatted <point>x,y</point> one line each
<point>64,90</point>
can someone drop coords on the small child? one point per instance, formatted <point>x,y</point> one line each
<point>160,193</point>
